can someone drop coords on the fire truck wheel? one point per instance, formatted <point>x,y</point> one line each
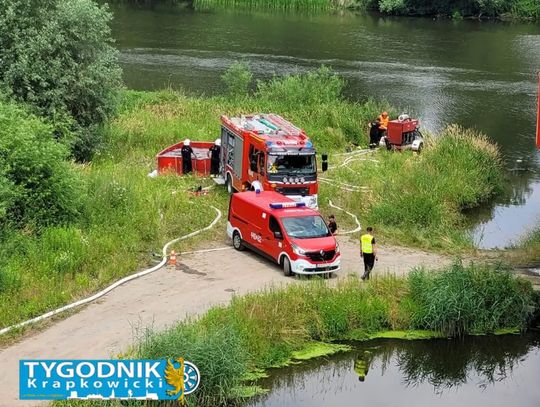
<point>237,242</point>
<point>420,148</point>
<point>286,266</point>
<point>230,188</point>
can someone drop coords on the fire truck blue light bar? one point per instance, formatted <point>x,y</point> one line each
<point>281,205</point>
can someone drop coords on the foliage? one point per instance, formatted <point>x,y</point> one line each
<point>392,6</point>
<point>451,8</point>
<point>470,299</point>
<point>527,251</point>
<point>527,8</point>
<point>37,186</point>
<point>238,79</point>
<point>58,57</point>
<point>217,350</point>
<point>317,87</point>
<point>271,5</point>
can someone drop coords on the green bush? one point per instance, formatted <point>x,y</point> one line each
<point>37,186</point>
<point>527,8</point>
<point>292,91</point>
<point>238,79</point>
<point>392,6</point>
<point>57,56</point>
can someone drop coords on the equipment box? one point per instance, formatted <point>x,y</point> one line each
<point>397,128</point>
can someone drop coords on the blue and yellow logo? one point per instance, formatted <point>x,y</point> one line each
<point>137,379</point>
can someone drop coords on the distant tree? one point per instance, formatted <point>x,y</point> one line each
<point>58,56</point>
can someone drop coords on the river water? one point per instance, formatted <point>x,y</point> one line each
<point>474,371</point>
<point>479,74</point>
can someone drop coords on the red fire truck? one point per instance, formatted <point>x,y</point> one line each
<point>267,151</point>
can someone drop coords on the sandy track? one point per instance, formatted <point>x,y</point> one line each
<point>104,328</point>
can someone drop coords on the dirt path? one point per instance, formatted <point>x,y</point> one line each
<point>104,328</point>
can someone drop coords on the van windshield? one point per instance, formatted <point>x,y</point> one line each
<point>305,227</point>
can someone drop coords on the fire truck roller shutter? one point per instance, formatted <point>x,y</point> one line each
<point>238,156</point>
<point>222,152</point>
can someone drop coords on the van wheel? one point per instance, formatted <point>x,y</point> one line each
<point>287,266</point>
<point>228,182</point>
<point>237,242</point>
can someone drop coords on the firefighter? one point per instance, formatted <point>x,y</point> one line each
<point>214,154</point>
<point>383,120</point>
<point>383,124</point>
<point>368,252</point>
<point>332,225</point>
<point>187,152</point>
<point>374,135</point>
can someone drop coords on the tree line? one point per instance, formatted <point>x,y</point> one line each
<point>456,8</point>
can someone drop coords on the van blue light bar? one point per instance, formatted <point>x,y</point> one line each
<point>281,205</point>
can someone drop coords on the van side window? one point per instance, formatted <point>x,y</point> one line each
<point>273,225</point>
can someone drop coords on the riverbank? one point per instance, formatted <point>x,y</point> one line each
<point>506,9</point>
<point>527,252</point>
<point>274,327</point>
<point>412,200</point>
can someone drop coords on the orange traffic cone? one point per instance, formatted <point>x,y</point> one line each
<point>172,258</point>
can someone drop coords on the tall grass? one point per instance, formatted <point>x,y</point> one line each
<point>419,199</point>
<point>469,299</point>
<point>527,251</point>
<point>264,329</point>
<point>268,4</point>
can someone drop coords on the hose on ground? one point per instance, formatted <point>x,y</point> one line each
<point>116,284</point>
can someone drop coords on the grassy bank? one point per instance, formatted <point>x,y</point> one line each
<point>265,329</point>
<point>506,9</point>
<point>411,199</point>
<point>419,199</point>
<point>527,252</point>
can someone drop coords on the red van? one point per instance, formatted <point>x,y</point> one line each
<point>287,232</point>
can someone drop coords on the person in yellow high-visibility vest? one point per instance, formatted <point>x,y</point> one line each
<point>368,252</point>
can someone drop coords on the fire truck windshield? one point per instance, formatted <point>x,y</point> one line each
<point>305,227</point>
<point>291,164</point>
